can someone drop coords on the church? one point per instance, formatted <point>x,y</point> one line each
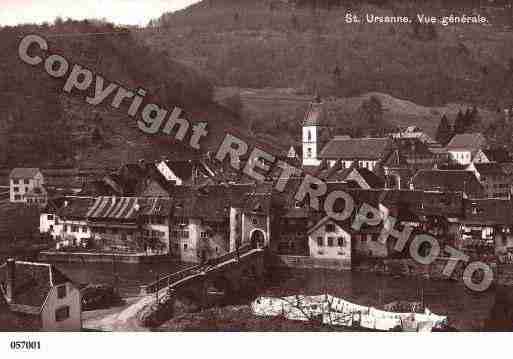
<point>342,151</point>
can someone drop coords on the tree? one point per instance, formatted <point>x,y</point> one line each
<point>444,131</point>
<point>371,111</point>
<point>459,123</point>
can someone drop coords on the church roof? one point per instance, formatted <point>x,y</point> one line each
<point>356,148</point>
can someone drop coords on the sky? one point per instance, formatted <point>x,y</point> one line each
<point>123,12</point>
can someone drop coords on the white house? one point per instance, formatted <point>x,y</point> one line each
<point>327,240</point>
<point>41,294</point>
<point>23,181</point>
<point>467,148</point>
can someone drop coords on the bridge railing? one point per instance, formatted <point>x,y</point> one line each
<point>177,276</point>
<point>172,278</point>
<point>229,255</point>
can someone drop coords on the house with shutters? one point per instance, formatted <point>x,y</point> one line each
<point>27,184</point>
<point>38,297</point>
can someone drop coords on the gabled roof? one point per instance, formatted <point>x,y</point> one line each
<point>118,208</point>
<point>22,173</point>
<point>448,181</point>
<point>343,174</point>
<point>76,207</point>
<point>33,282</point>
<point>489,169</point>
<point>499,155</point>
<point>467,141</point>
<point>356,148</point>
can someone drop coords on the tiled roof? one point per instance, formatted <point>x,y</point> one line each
<point>76,207</point>
<point>119,208</point>
<point>33,281</point>
<point>356,148</point>
<point>21,173</point>
<point>489,169</point>
<point>467,141</point>
<point>448,181</point>
<point>497,155</point>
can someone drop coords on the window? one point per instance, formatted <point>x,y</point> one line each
<point>309,136</point>
<point>74,228</point>
<point>84,229</point>
<point>255,221</point>
<point>61,291</point>
<point>16,189</point>
<point>340,241</point>
<point>26,189</point>
<point>204,235</point>
<point>49,217</point>
<point>65,228</point>
<point>320,242</point>
<point>330,241</point>
<point>26,181</point>
<point>185,234</point>
<point>185,246</point>
<point>309,152</point>
<point>329,227</point>
<point>62,313</point>
<point>17,197</point>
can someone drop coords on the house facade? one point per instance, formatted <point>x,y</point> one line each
<point>42,295</point>
<point>23,182</point>
<point>329,242</point>
<point>467,148</point>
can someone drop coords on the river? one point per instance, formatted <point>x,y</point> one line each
<point>466,309</point>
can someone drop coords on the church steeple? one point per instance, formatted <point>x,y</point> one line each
<point>311,132</point>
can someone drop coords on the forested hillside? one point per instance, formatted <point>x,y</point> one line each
<point>40,125</point>
<point>257,44</point>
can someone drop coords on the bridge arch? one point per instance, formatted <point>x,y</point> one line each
<point>257,238</point>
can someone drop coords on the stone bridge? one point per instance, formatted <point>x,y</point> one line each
<point>225,275</point>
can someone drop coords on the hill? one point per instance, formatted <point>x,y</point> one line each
<point>275,44</point>
<point>42,126</point>
<point>270,110</point>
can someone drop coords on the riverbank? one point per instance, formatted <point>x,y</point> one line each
<point>101,257</point>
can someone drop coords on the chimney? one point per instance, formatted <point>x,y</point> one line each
<point>10,280</point>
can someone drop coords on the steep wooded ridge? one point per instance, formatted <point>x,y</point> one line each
<point>223,46</point>
<point>308,46</point>
<point>40,125</point>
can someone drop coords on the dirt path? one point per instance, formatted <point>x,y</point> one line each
<point>119,319</point>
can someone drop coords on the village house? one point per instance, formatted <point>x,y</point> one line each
<point>493,178</point>
<point>37,296</point>
<point>330,242</point>
<point>487,226</point>
<point>467,148</point>
<point>416,133</point>
<point>462,181</point>
<point>25,181</point>
<point>187,172</point>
